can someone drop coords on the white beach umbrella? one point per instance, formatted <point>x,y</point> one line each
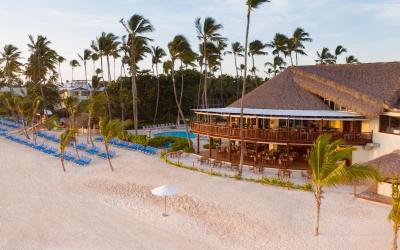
<point>165,191</point>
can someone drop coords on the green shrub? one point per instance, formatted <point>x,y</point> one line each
<point>138,139</point>
<point>161,141</point>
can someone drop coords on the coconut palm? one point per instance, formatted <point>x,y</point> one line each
<point>87,55</point>
<point>394,215</point>
<point>328,164</point>
<point>99,47</point>
<point>338,51</point>
<point>251,5</point>
<point>109,129</point>
<point>65,139</point>
<point>256,48</point>
<point>176,47</point>
<point>111,49</point>
<point>156,54</point>
<point>277,65</point>
<point>136,26</point>
<point>94,57</point>
<point>299,36</point>
<point>71,104</point>
<point>237,51</point>
<point>351,60</point>
<point>60,59</point>
<point>10,57</point>
<point>325,57</point>
<point>207,31</point>
<point>73,63</point>
<point>41,64</point>
<point>279,44</point>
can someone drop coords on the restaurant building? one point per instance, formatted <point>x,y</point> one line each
<point>283,117</point>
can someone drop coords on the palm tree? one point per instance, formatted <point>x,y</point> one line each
<point>73,63</point>
<point>277,65</point>
<point>394,214</point>
<point>87,55</point>
<point>109,129</point>
<point>136,27</point>
<point>111,49</point>
<point>176,47</point>
<point>351,60</point>
<point>94,58</point>
<point>338,51</point>
<point>237,51</point>
<point>299,36</point>
<point>65,138</point>
<point>325,57</point>
<point>41,63</point>
<point>251,5</point>
<point>328,164</point>
<point>60,60</point>
<point>71,104</point>
<point>10,57</point>
<point>256,47</point>
<point>207,32</point>
<point>91,107</point>
<point>279,44</point>
<point>99,47</point>
<point>157,53</point>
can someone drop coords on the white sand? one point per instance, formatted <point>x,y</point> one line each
<point>93,208</point>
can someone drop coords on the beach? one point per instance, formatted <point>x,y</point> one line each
<point>93,208</point>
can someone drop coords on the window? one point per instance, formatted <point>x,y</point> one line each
<point>389,124</point>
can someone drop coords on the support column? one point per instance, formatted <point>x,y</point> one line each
<point>230,151</point>
<point>209,146</point>
<point>198,144</point>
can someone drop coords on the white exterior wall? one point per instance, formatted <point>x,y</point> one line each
<point>387,144</point>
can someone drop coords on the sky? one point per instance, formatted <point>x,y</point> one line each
<point>368,29</point>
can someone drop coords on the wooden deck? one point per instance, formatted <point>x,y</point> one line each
<point>372,196</point>
<point>284,136</point>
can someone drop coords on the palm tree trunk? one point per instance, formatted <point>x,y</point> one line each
<point>62,161</point>
<point>114,67</point>
<point>179,106</point>
<point>237,77</point>
<point>296,60</point>
<point>76,150</point>
<point>84,65</point>
<point>158,93</point>
<point>101,65</point>
<point>134,90</point>
<point>199,90</point>
<point>221,86</point>
<point>395,235</point>
<point>108,68</point>
<point>108,156</point>
<point>318,209</point>
<point>243,94</point>
<point>205,104</point>
<point>181,95</point>
<point>291,58</point>
<point>72,70</point>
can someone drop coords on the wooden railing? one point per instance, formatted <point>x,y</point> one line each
<point>277,135</point>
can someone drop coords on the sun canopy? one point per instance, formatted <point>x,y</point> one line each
<point>165,190</point>
<point>284,114</point>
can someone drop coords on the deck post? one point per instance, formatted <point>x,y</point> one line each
<point>256,156</point>
<point>198,143</point>
<point>209,146</point>
<point>229,151</point>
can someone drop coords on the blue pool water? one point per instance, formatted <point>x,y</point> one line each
<point>179,134</point>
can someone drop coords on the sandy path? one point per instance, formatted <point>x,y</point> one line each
<point>92,208</point>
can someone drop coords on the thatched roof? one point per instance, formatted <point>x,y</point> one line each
<point>388,165</point>
<point>282,92</point>
<point>367,89</point>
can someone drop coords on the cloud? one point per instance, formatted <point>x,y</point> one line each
<point>385,11</point>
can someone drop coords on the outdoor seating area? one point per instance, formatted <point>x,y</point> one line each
<point>7,121</point>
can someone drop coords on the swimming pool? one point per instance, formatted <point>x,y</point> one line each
<point>179,134</point>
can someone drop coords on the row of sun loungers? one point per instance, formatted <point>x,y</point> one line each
<point>9,123</point>
<point>130,146</point>
<point>48,136</point>
<point>53,151</point>
<point>81,146</point>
